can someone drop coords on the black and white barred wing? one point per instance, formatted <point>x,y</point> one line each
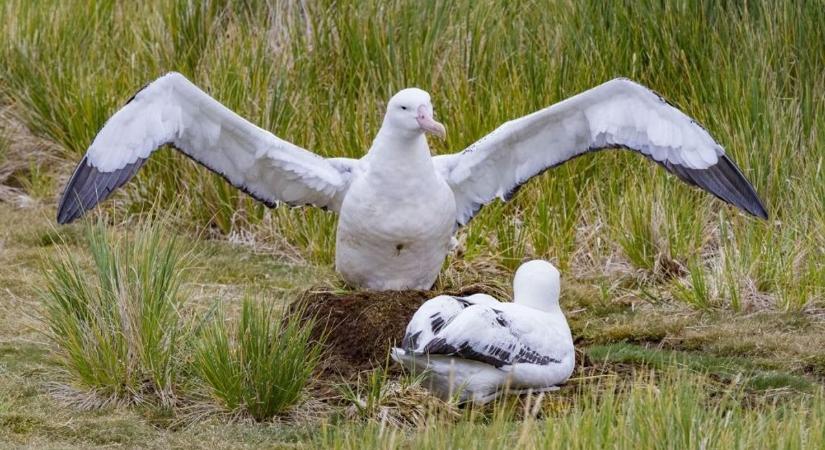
<point>616,114</point>
<point>434,315</point>
<point>489,335</point>
<point>173,111</point>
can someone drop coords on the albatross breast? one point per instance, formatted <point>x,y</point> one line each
<point>394,233</point>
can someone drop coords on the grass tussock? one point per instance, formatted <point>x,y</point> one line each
<point>260,367</point>
<point>118,331</point>
<point>123,333</point>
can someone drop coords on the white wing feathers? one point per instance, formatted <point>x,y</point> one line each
<point>434,314</point>
<point>494,335</point>
<point>480,328</point>
<point>616,114</point>
<point>171,110</point>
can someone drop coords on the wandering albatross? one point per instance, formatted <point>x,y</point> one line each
<point>399,206</point>
<point>475,348</point>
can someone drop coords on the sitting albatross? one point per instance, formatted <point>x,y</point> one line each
<point>477,347</point>
<point>399,206</point>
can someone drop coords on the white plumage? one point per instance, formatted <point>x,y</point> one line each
<point>475,348</point>
<point>398,205</point>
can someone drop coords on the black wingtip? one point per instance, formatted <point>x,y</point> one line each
<point>745,196</point>
<point>726,182</point>
<point>89,186</point>
<point>755,206</point>
<point>69,209</point>
<point>63,218</point>
<point>760,211</point>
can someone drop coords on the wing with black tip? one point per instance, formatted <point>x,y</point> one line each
<point>617,114</point>
<point>173,111</point>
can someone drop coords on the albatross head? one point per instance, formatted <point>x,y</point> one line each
<point>537,285</point>
<point>411,112</point>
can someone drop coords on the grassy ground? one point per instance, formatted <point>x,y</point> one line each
<point>725,310</point>
<point>762,370</point>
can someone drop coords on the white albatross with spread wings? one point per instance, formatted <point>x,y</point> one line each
<point>399,206</point>
<point>476,348</point>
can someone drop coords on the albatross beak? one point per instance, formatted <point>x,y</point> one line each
<point>428,124</point>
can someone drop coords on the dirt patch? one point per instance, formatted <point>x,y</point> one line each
<point>361,327</point>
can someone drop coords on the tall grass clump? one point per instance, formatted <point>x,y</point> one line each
<point>117,326</point>
<point>695,291</point>
<point>261,365</point>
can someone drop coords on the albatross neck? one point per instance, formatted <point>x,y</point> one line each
<point>539,303</point>
<point>400,153</point>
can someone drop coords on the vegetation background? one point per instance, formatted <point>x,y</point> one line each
<point>707,320</point>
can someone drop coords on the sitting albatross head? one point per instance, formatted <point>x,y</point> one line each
<point>537,285</point>
<point>410,112</point>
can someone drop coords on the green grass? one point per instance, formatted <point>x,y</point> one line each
<point>731,369</point>
<point>4,147</point>
<point>397,401</point>
<point>118,331</point>
<point>695,290</point>
<point>367,395</point>
<point>753,360</point>
<point>123,333</point>
<point>262,366</point>
<point>669,410</point>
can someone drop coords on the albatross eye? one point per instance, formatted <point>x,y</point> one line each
<point>404,108</point>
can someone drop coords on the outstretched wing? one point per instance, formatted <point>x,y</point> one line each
<point>616,114</point>
<point>173,111</point>
<point>484,333</point>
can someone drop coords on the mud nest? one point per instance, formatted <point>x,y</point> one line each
<point>361,327</point>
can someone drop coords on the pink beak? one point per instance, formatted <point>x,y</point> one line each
<point>428,124</point>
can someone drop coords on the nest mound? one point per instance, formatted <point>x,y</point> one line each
<point>362,326</point>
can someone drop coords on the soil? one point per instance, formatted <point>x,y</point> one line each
<point>361,327</point>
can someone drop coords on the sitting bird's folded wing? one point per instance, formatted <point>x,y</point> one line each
<point>486,334</point>
<point>434,315</point>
